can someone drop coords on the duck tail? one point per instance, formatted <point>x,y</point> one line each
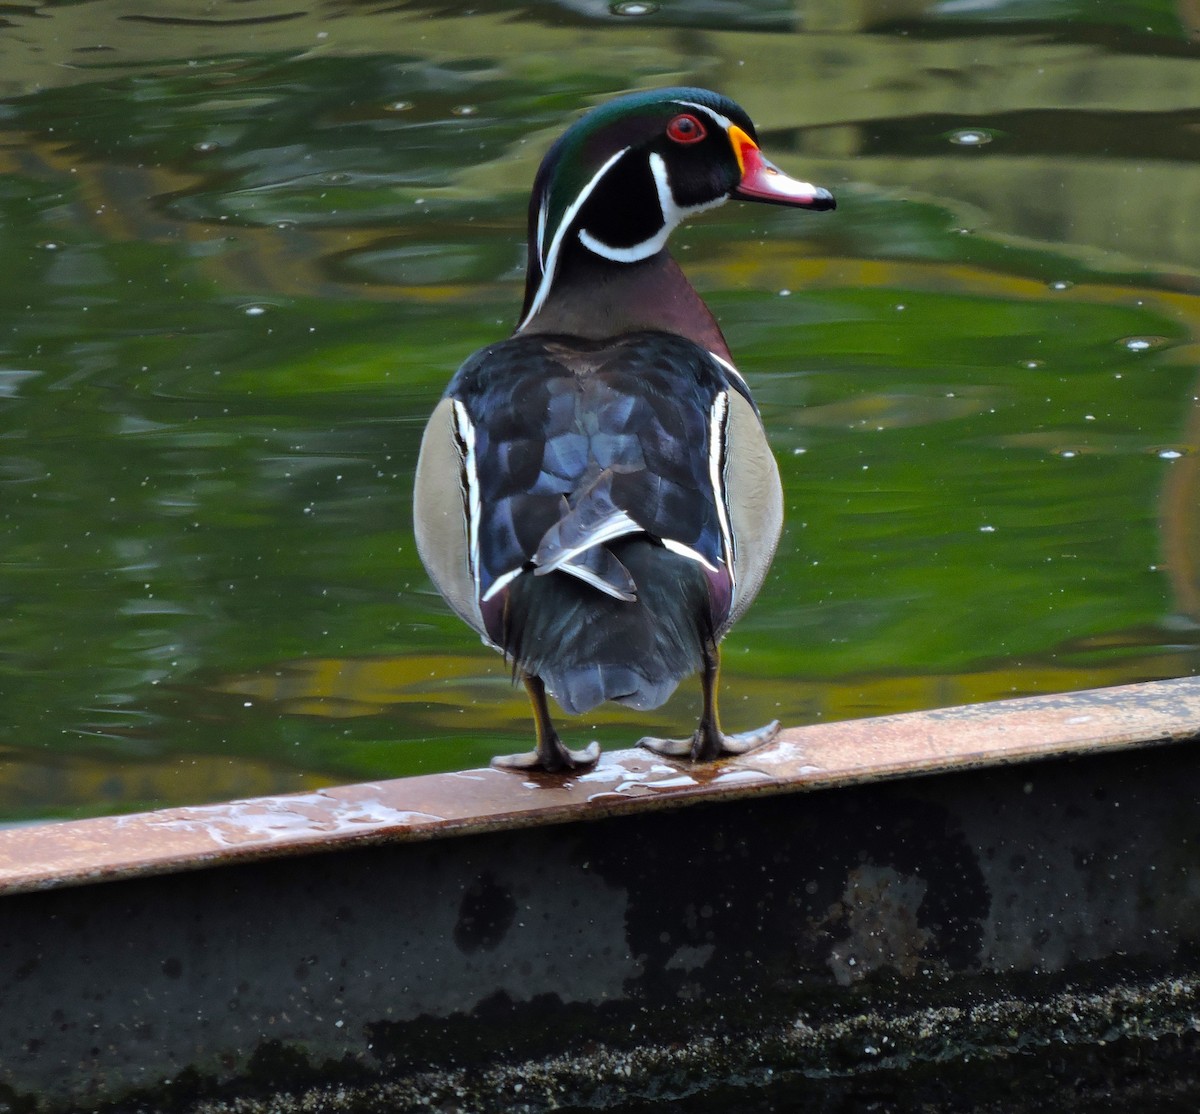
<point>589,646</point>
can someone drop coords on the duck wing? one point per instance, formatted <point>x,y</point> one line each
<point>567,446</point>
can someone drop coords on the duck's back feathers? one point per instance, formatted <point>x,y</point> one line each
<point>601,548</point>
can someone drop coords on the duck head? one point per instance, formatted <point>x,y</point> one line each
<point>614,186</point>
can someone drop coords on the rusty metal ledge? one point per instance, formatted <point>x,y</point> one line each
<point>820,756</point>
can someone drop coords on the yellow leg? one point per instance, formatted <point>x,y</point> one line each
<point>709,741</point>
<point>551,755</point>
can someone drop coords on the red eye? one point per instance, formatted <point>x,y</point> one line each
<point>686,129</point>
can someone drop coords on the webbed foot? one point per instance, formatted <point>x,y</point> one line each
<point>551,755</point>
<point>553,758</point>
<point>707,743</point>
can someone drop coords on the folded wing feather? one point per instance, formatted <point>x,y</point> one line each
<point>576,543</point>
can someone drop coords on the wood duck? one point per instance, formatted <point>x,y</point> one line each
<point>595,495</point>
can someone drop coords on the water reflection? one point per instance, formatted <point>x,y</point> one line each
<point>241,264</point>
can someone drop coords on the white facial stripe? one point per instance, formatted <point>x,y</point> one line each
<point>550,258</point>
<point>716,473</point>
<point>465,432</point>
<point>666,198</point>
<point>623,255</point>
<point>541,228</point>
<point>672,214</point>
<point>647,248</point>
<point>672,211</point>
<point>713,114</point>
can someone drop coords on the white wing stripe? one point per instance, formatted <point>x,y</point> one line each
<point>729,368</point>
<point>501,582</point>
<point>616,525</point>
<point>688,552</point>
<point>465,432</point>
<point>717,428</point>
<point>582,572</point>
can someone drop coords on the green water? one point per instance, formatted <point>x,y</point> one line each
<point>245,246</point>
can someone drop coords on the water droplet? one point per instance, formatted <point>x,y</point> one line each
<point>51,245</point>
<point>255,309</point>
<point>1142,344</point>
<point>399,106</point>
<point>1060,284</point>
<point>464,110</point>
<point>785,293</point>
<point>284,225</point>
<point>987,529</point>
<point>1168,454</point>
<point>970,137</point>
<point>1066,454</point>
<point>205,146</point>
<point>1032,365</point>
<point>633,8</point>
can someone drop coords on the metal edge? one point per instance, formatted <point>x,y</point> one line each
<point>802,759</point>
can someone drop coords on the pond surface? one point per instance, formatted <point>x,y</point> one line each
<point>245,246</point>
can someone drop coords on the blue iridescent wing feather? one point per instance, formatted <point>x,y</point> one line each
<point>567,433</point>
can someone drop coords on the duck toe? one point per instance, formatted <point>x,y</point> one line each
<point>669,748</point>
<point>704,746</point>
<point>555,758</point>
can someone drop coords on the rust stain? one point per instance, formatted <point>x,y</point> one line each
<point>821,756</point>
